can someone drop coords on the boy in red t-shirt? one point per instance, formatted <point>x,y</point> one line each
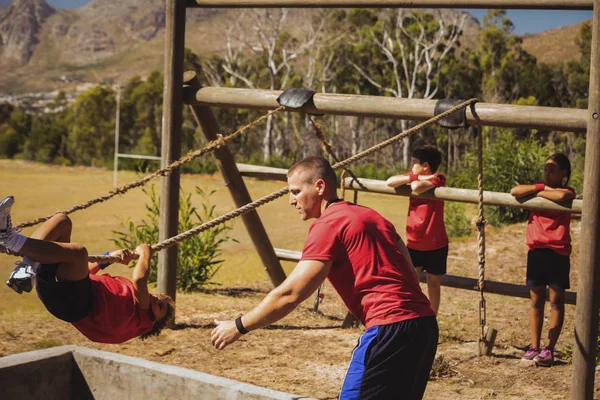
<point>426,237</point>
<point>105,309</point>
<point>548,259</point>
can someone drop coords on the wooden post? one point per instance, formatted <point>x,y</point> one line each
<point>503,4</point>
<point>171,142</point>
<point>235,183</point>
<point>586,314</point>
<point>488,114</point>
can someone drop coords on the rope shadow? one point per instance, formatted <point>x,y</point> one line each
<point>234,292</point>
<point>185,325</point>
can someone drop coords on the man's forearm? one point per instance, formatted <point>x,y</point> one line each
<point>275,306</point>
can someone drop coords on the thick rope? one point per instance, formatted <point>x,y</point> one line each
<point>255,204</point>
<point>211,146</point>
<point>481,234</point>
<point>329,149</point>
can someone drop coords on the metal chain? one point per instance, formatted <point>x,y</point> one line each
<point>481,232</point>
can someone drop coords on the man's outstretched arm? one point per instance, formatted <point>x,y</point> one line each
<point>299,285</point>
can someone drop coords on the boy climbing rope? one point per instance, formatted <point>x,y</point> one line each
<point>105,309</point>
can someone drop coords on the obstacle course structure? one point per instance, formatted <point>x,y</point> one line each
<point>586,327</point>
<point>73,372</point>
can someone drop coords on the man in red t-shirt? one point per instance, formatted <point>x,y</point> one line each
<point>105,309</point>
<point>367,263</point>
<point>426,236</point>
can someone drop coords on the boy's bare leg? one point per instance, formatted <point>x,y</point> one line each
<point>434,291</point>
<point>557,316</point>
<point>49,244</point>
<point>538,300</point>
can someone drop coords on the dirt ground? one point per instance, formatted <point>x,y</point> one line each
<point>308,353</point>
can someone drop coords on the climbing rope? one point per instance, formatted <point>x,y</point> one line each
<point>281,192</point>
<point>481,233</point>
<point>329,149</point>
<point>211,146</point>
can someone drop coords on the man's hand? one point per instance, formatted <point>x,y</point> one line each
<point>224,334</point>
<point>125,255</point>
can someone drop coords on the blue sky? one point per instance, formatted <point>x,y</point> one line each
<point>525,21</point>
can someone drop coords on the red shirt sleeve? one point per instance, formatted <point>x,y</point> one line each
<point>321,243</point>
<point>438,180</point>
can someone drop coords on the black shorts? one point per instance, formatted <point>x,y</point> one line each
<point>432,261</point>
<point>392,361</point>
<point>545,267</point>
<point>69,301</point>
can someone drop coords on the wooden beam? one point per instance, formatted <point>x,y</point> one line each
<point>503,115</point>
<point>480,4</point>
<point>235,183</point>
<point>586,314</point>
<point>458,282</point>
<point>171,143</point>
<point>442,193</point>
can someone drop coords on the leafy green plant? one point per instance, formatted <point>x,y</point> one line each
<point>197,257</point>
<point>457,225</point>
<point>507,162</point>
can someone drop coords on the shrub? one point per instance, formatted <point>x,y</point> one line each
<point>197,257</point>
<point>457,225</point>
<point>507,162</point>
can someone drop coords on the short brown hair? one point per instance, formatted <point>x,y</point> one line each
<point>162,323</point>
<point>428,154</point>
<point>319,168</point>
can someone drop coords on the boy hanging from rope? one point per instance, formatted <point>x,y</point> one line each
<point>426,237</point>
<point>103,308</point>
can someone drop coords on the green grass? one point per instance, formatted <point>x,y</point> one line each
<point>41,190</point>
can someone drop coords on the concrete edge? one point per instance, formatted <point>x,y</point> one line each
<point>35,355</point>
<point>186,373</point>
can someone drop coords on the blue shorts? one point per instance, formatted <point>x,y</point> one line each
<point>392,361</point>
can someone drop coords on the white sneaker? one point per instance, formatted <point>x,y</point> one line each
<point>22,278</point>
<point>6,228</point>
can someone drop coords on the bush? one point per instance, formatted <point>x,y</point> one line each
<point>507,162</point>
<point>197,258</point>
<point>457,225</point>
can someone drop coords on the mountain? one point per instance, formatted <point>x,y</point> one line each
<point>107,41</point>
<point>554,46</point>
<point>20,24</point>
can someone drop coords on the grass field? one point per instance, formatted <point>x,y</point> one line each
<point>41,190</point>
<point>305,353</point>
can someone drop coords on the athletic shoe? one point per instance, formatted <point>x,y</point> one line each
<point>22,277</point>
<point>545,358</point>
<point>6,229</point>
<point>530,354</point>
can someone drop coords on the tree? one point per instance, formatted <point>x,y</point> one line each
<point>578,72</point>
<point>91,127</point>
<point>402,55</point>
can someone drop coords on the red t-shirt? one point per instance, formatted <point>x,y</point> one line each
<point>425,228</point>
<point>369,272</point>
<point>550,230</point>
<point>116,317</point>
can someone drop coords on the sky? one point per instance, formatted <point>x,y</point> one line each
<point>525,21</point>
